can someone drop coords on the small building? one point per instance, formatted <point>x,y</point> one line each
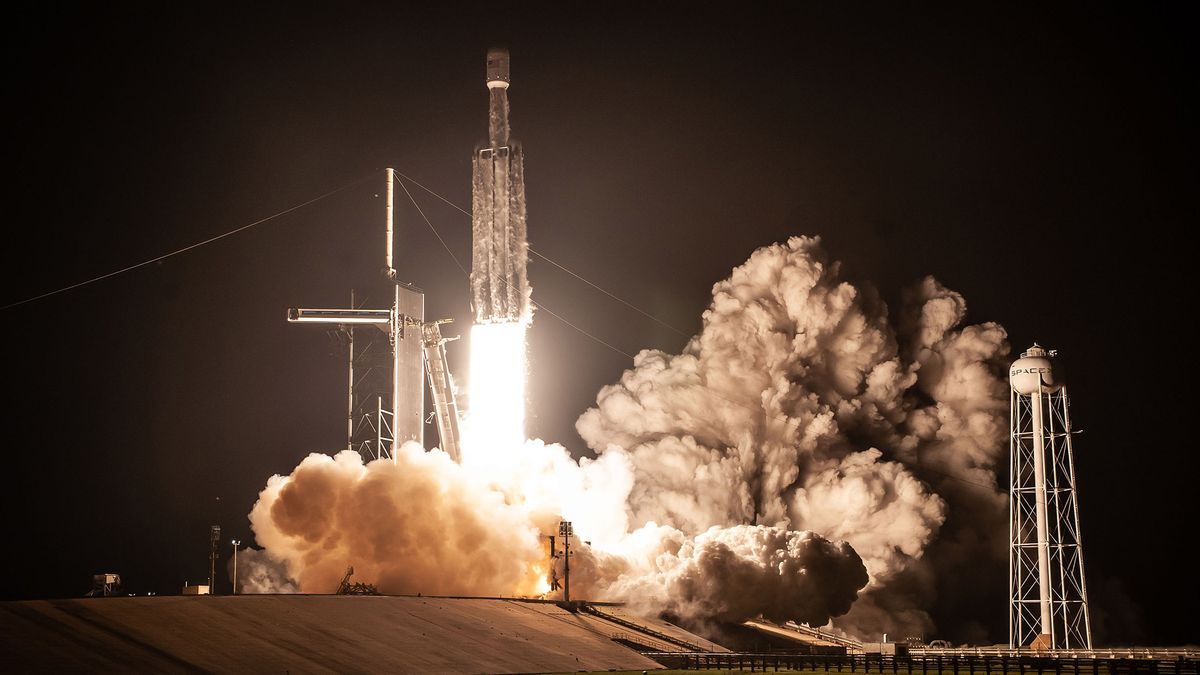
<point>886,648</point>
<point>105,585</point>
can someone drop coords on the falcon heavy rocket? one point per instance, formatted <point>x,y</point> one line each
<point>499,286</point>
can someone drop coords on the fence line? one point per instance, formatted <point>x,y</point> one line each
<point>972,664</point>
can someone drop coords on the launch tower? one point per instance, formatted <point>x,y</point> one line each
<point>383,412</point>
<point>1048,606</point>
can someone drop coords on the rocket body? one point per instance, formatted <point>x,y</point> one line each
<point>500,252</point>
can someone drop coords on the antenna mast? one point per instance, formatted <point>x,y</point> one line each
<point>383,415</point>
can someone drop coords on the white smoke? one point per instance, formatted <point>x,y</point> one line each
<point>419,525</point>
<point>727,574</point>
<point>259,572</point>
<point>799,405</point>
<point>888,512</point>
<point>795,452</point>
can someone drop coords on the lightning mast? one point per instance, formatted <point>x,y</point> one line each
<point>398,414</point>
<point>390,352</point>
<point>1048,605</point>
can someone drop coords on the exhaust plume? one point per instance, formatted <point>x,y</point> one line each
<point>259,572</point>
<point>729,575</point>
<point>800,405</point>
<point>804,457</point>
<point>419,525</point>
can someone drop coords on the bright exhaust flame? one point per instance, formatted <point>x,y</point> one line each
<point>541,587</point>
<point>495,425</point>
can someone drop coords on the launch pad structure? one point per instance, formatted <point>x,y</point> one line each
<point>384,412</point>
<point>394,353</point>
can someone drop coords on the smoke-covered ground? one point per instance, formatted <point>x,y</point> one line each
<point>806,457</point>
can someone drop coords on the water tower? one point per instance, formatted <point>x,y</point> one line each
<point>1048,607</point>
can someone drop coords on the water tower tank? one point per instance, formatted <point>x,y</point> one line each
<point>1034,372</point>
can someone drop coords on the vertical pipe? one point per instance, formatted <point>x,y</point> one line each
<point>397,336</point>
<point>1060,605</point>
<point>391,181</point>
<point>1013,587</point>
<point>567,567</point>
<point>1087,619</point>
<point>350,384</point>
<point>212,566</point>
<point>1043,544</point>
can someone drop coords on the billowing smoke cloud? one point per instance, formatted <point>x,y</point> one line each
<point>419,525</point>
<point>732,574</point>
<point>258,572</point>
<point>801,405</point>
<point>803,450</point>
<point>435,528</point>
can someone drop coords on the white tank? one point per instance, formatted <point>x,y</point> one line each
<point>1033,373</point>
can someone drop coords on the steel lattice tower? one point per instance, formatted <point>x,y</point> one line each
<point>386,402</point>
<point>1048,606</point>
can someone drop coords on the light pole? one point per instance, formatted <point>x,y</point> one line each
<point>214,540</point>
<point>565,531</point>
<point>236,543</point>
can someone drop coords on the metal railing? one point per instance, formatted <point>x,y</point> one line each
<point>640,628</point>
<point>1107,653</point>
<point>819,634</point>
<point>974,664</point>
<point>642,643</point>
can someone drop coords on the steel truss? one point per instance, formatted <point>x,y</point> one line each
<point>1047,589</point>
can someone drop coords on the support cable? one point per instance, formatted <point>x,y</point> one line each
<point>431,227</point>
<point>623,302</point>
<point>622,352</point>
<point>539,305</point>
<point>189,247</point>
<point>535,252</point>
<point>354,183</point>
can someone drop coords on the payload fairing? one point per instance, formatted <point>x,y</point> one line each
<point>499,285</point>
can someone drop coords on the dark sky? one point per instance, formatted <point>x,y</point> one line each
<point>1038,161</point>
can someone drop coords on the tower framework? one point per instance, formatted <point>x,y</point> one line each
<point>369,384</point>
<point>390,351</point>
<point>1048,606</point>
<point>384,409</point>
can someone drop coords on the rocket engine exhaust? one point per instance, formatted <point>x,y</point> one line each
<point>499,286</point>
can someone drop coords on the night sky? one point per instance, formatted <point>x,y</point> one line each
<point>1037,161</point>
